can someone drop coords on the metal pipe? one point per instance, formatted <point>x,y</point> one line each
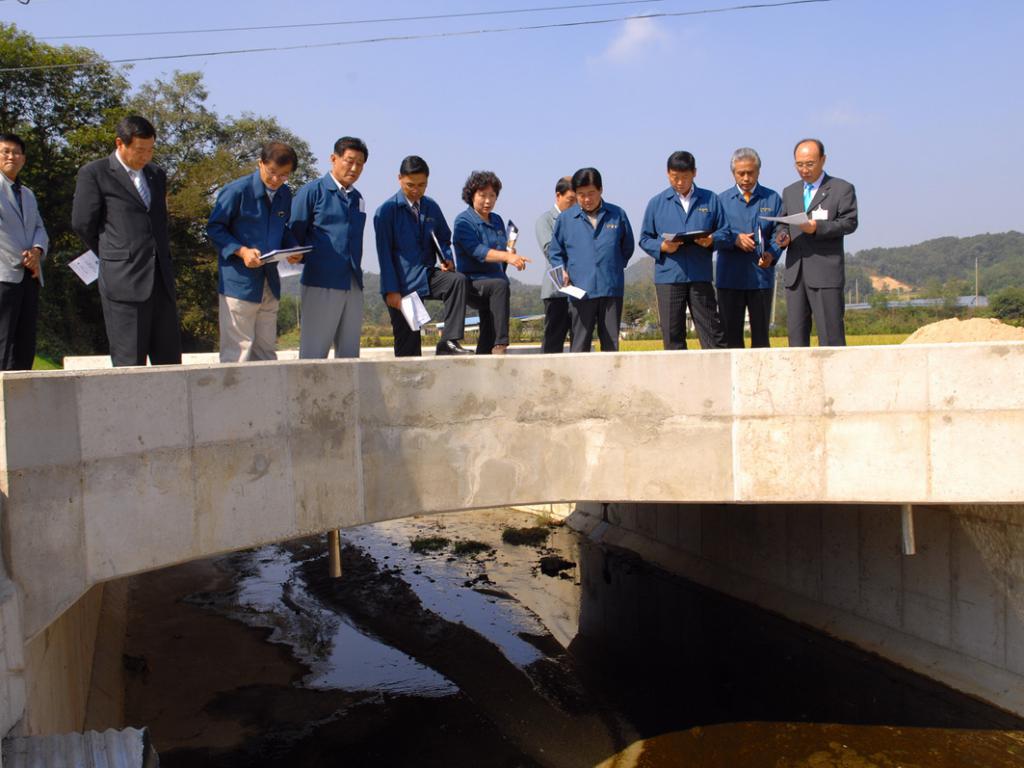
<point>334,553</point>
<point>907,517</point>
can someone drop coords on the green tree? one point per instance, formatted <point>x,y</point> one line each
<point>59,113</point>
<point>1008,304</point>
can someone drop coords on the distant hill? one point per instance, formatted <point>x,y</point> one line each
<point>1000,261</point>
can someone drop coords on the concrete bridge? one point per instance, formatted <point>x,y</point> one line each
<point>760,454</point>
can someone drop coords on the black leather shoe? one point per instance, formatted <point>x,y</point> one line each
<point>451,348</point>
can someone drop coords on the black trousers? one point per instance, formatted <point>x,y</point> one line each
<point>734,303</point>
<point>490,297</point>
<point>556,324</point>
<point>825,306</point>
<point>19,309</point>
<point>604,312</point>
<point>449,287</point>
<point>673,299</point>
<point>140,329</point>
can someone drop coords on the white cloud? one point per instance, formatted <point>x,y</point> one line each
<point>845,114</point>
<point>636,35</point>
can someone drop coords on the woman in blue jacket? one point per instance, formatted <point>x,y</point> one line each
<point>482,254</point>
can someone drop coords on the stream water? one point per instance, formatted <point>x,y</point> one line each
<point>561,654</point>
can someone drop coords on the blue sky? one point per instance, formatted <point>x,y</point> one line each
<point>919,103</point>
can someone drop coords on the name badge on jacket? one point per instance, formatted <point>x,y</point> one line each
<point>819,214</point>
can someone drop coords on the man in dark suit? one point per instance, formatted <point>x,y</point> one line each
<point>120,211</point>
<point>815,274</point>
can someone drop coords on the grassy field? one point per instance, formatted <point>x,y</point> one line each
<point>649,345</point>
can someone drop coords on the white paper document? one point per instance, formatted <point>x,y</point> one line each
<point>415,313</point>
<point>795,219</point>
<point>87,267</point>
<point>287,269</point>
<point>282,254</point>
<point>557,275</point>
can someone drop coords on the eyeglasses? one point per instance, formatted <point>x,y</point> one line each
<point>808,164</point>
<point>11,153</point>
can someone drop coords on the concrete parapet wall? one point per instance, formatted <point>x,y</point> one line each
<point>109,473</point>
<point>953,612</point>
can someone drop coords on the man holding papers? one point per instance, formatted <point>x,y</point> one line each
<point>592,242</point>
<point>556,304</point>
<point>746,273</point>
<point>120,212</point>
<point>412,237</point>
<point>23,244</point>
<point>815,269</point>
<point>329,214</point>
<point>249,219</point>
<point>682,227</point>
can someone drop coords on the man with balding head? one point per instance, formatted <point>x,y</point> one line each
<point>815,276</point>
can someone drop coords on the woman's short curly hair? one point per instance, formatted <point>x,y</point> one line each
<point>480,180</point>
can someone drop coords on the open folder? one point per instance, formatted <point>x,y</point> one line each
<point>686,238</point>
<point>557,274</point>
<point>281,254</point>
<point>414,312</point>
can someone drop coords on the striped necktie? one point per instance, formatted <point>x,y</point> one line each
<point>141,186</point>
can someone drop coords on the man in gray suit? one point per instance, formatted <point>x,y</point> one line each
<point>556,304</point>
<point>23,244</point>
<point>815,266</point>
<point>120,211</point>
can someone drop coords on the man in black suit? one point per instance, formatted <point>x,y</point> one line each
<point>815,274</point>
<point>120,211</point>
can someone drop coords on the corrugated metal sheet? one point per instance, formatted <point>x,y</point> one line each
<point>129,748</point>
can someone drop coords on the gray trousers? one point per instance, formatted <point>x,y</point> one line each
<point>330,317</point>
<point>824,305</point>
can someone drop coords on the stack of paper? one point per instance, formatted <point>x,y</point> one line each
<point>415,313</point>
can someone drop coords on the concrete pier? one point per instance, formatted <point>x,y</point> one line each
<point>109,473</point>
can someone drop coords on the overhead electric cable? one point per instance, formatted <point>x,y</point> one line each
<point>353,22</point>
<point>424,36</point>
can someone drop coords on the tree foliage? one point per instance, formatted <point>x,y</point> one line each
<point>67,117</point>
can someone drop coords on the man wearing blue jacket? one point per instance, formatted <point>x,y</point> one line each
<point>330,215</point>
<point>745,276</point>
<point>683,267</point>
<point>249,218</point>
<point>592,242</point>
<point>410,230</point>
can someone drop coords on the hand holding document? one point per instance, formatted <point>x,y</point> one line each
<point>686,238</point>
<point>513,235</point>
<point>282,254</point>
<point>557,276</point>
<point>795,219</point>
<point>87,267</point>
<point>415,313</point>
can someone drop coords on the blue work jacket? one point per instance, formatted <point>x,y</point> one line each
<point>405,248</point>
<point>242,216</point>
<point>665,214</point>
<point>738,269</point>
<point>472,238</point>
<point>332,222</point>
<point>596,257</point>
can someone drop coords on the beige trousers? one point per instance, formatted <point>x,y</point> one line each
<point>248,329</point>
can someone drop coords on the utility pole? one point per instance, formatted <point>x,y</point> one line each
<point>975,283</point>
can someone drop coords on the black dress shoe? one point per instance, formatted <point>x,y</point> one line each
<point>451,348</point>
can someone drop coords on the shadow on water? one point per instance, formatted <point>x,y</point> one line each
<point>569,654</point>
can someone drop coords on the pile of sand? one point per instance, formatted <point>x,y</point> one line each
<point>975,329</point>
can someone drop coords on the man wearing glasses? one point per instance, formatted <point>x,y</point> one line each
<point>330,214</point>
<point>23,243</point>
<point>815,275</point>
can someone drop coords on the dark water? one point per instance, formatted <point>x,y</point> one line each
<point>566,655</point>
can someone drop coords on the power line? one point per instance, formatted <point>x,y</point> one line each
<point>406,38</point>
<point>351,22</point>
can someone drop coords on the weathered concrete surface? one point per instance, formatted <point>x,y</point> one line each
<point>953,612</point>
<point>108,473</point>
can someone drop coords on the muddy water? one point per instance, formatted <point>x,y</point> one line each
<point>566,654</point>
